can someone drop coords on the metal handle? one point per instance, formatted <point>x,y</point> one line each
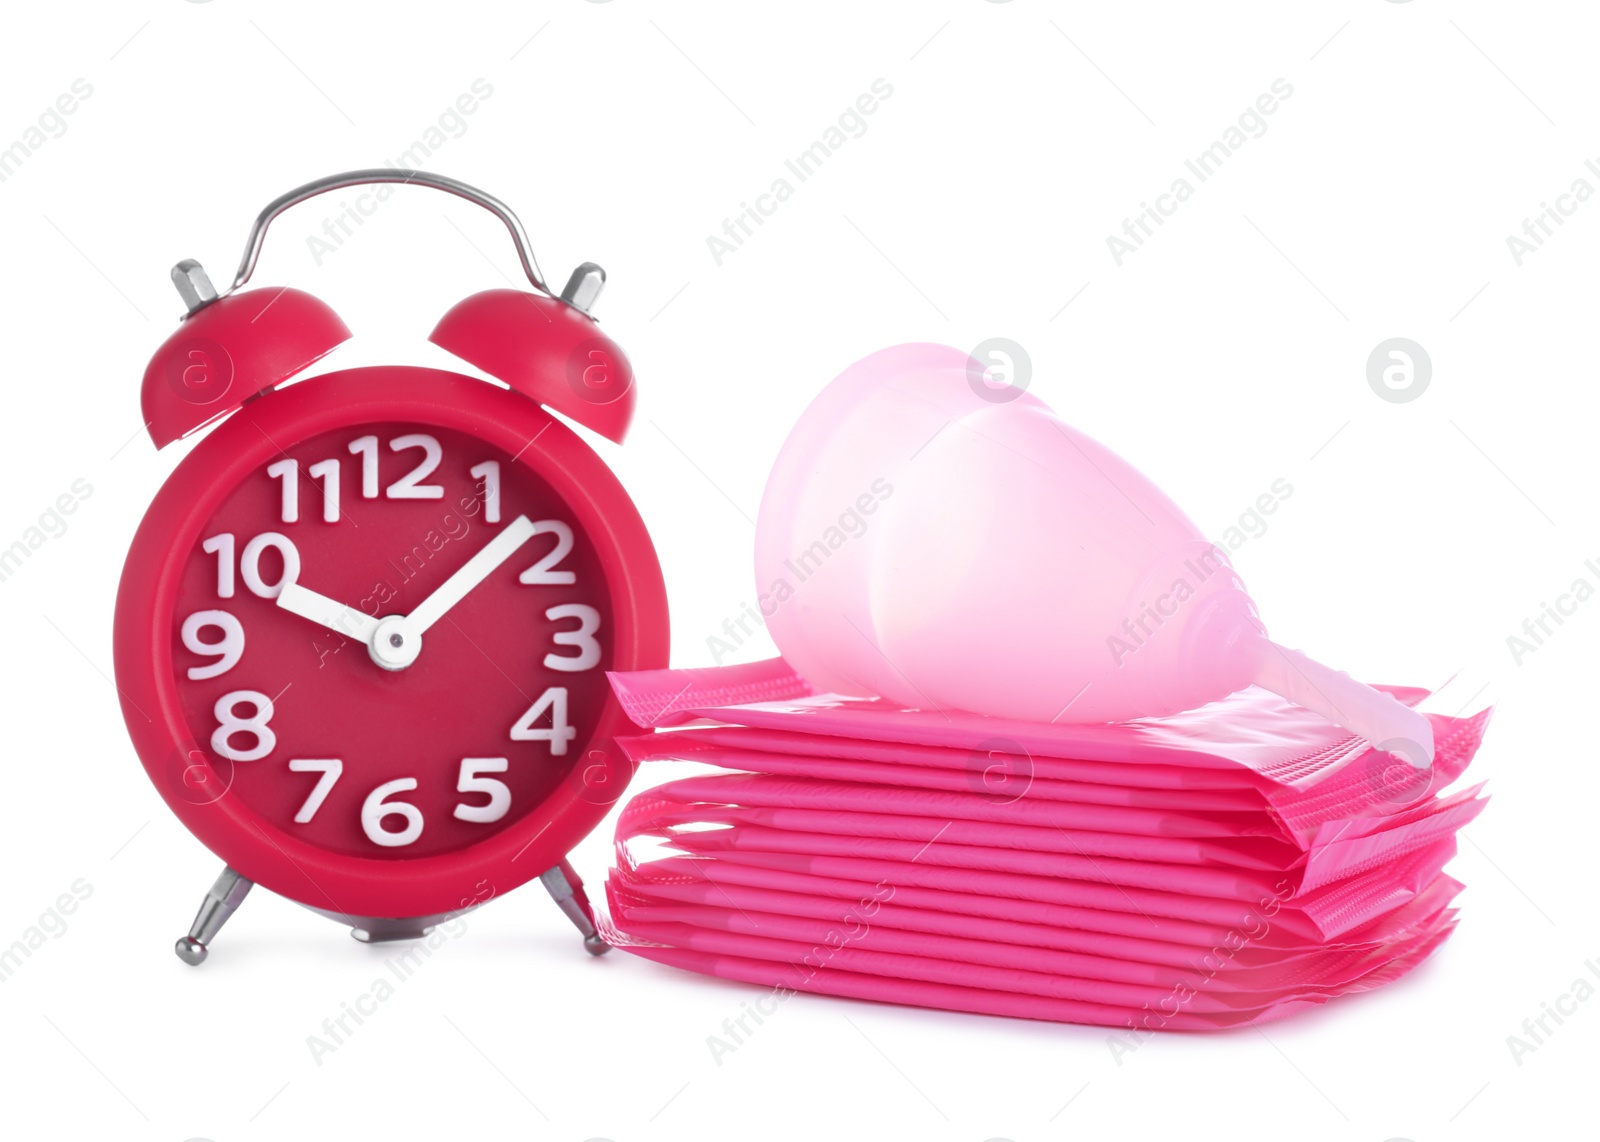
<point>258,232</point>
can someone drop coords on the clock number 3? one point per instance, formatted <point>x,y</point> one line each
<point>587,646</point>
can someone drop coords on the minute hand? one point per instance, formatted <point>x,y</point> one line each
<point>472,572</point>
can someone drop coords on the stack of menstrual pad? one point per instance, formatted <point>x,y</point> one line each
<point>1220,867</point>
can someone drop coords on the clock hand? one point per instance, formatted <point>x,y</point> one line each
<point>471,573</point>
<point>395,642</point>
<point>326,612</point>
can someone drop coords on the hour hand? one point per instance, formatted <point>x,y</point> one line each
<point>327,612</point>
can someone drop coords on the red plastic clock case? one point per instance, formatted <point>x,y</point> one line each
<point>225,363</point>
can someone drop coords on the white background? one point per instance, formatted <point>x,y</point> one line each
<point>1229,352</point>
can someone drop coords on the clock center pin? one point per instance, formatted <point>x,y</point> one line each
<point>394,644</point>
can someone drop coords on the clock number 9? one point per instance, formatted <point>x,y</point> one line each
<point>227,650</point>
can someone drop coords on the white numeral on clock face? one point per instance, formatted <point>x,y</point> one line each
<point>376,808</point>
<point>406,466</point>
<point>471,782</point>
<point>330,768</point>
<point>558,733</point>
<point>288,471</point>
<point>230,723</point>
<point>366,447</point>
<point>407,486</point>
<point>222,547</point>
<point>227,650</point>
<point>250,563</point>
<point>541,573</point>
<point>488,476</point>
<point>328,472</point>
<point>583,638</point>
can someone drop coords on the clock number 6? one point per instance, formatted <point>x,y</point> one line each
<point>376,808</point>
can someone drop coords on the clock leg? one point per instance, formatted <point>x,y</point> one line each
<point>567,890</point>
<point>220,903</point>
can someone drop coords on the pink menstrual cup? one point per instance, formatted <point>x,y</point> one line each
<point>931,539</point>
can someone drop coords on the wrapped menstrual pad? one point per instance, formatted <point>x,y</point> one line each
<point>1203,870</point>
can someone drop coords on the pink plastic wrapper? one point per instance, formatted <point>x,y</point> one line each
<point>1195,872</point>
<point>795,966</point>
<point>664,885</point>
<point>1253,728</point>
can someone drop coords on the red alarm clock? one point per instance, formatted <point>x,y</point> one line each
<point>363,632</point>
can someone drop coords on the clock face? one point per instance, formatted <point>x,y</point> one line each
<point>442,667</point>
<point>465,746</point>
